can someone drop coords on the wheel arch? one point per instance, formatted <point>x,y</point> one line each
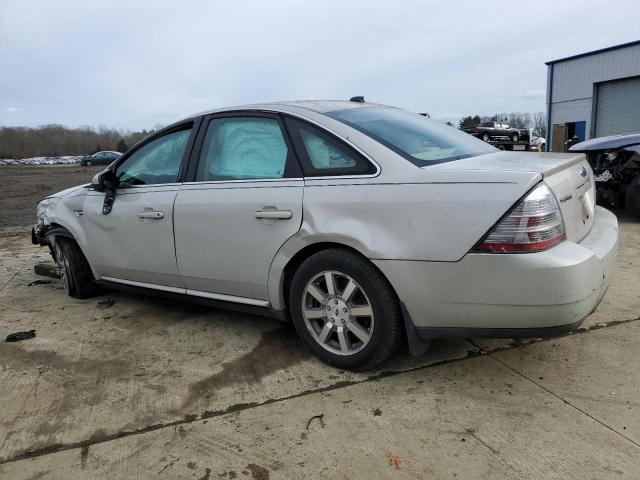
<point>59,229</point>
<point>293,261</point>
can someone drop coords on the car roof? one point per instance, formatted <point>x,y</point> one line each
<point>318,106</point>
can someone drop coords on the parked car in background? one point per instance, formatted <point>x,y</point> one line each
<point>490,131</point>
<point>615,161</point>
<point>101,158</point>
<point>365,225</point>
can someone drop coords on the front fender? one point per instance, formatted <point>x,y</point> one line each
<point>64,218</point>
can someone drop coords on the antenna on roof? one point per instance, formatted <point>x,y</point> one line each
<point>359,99</point>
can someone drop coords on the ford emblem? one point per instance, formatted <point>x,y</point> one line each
<point>583,172</point>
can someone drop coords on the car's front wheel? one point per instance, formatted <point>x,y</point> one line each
<point>88,163</point>
<point>345,310</point>
<point>75,272</point>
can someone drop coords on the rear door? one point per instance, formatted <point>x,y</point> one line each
<point>134,242</point>
<point>243,202</point>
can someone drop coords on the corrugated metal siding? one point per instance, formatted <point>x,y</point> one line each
<point>574,79</point>
<point>618,109</point>
<point>572,88</point>
<point>576,111</point>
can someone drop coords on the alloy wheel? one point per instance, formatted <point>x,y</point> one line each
<point>337,313</point>
<point>63,266</point>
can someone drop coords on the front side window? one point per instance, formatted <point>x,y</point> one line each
<point>420,140</point>
<point>156,162</point>
<point>323,155</point>
<point>242,148</point>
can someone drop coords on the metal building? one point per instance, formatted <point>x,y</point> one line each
<point>593,94</point>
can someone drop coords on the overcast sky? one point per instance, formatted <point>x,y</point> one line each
<point>135,64</point>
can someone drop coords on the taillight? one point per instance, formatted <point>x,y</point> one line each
<point>535,224</point>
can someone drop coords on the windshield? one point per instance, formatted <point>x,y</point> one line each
<point>420,140</point>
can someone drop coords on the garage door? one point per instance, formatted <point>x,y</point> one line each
<point>618,108</point>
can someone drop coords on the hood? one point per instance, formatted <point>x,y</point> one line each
<point>606,143</point>
<point>70,192</point>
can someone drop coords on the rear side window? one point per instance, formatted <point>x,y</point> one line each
<point>321,154</point>
<point>243,148</point>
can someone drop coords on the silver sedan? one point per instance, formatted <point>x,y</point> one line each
<point>365,225</point>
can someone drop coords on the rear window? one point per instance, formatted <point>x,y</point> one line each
<point>420,140</point>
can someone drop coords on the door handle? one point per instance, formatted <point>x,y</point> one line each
<point>153,215</point>
<point>274,214</point>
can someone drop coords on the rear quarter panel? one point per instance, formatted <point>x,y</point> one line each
<point>438,220</point>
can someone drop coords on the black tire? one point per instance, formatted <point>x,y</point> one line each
<point>76,274</point>
<point>515,137</point>
<point>88,163</point>
<point>385,328</point>
<point>486,137</point>
<point>633,197</point>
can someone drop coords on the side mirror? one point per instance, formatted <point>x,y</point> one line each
<point>104,180</point>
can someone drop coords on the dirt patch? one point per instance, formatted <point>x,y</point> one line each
<point>258,472</point>
<point>271,354</point>
<point>24,186</point>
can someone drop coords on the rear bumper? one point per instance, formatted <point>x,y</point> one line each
<point>512,295</point>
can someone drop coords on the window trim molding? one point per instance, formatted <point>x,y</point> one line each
<point>340,139</point>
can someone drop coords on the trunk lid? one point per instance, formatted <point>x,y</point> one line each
<point>569,176</point>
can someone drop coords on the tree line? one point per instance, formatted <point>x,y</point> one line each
<point>57,140</point>
<point>536,121</point>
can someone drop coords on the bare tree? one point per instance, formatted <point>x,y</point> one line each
<point>540,123</point>
<point>54,140</point>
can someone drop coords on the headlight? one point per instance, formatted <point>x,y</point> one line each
<point>43,205</point>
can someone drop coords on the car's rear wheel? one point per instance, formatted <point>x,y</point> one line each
<point>515,137</point>
<point>486,137</point>
<point>345,310</point>
<point>633,197</point>
<point>75,272</point>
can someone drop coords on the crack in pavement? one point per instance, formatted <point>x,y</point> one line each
<point>12,277</point>
<point>191,418</point>
<point>567,402</point>
<point>559,397</point>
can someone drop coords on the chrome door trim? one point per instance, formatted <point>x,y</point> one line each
<point>229,298</point>
<point>247,180</point>
<point>196,293</point>
<point>153,286</point>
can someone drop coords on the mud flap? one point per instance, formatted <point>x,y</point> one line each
<point>417,347</point>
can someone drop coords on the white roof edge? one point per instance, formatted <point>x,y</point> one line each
<point>318,106</point>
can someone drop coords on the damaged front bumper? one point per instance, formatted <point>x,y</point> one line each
<point>36,234</point>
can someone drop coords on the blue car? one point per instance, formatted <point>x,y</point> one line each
<point>100,158</point>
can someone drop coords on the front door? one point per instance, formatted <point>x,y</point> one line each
<point>244,203</point>
<point>134,242</point>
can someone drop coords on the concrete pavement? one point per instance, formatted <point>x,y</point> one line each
<point>121,386</point>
